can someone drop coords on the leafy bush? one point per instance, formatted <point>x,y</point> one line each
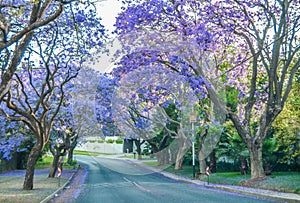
<point>101,141</point>
<point>119,141</point>
<point>110,141</point>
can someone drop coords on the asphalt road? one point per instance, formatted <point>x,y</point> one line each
<point>117,181</point>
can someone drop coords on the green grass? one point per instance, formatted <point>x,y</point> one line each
<point>11,188</point>
<point>46,162</point>
<point>279,181</point>
<point>86,153</point>
<point>285,181</point>
<point>151,163</point>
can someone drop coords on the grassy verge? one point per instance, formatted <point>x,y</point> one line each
<point>11,184</point>
<point>279,181</point>
<point>11,188</point>
<point>86,153</point>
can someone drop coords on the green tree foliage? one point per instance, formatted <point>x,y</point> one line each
<point>287,128</point>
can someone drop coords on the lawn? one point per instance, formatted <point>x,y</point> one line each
<point>11,182</point>
<point>86,153</point>
<point>46,161</point>
<point>279,181</point>
<point>11,188</point>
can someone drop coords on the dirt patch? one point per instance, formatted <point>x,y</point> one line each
<point>72,190</point>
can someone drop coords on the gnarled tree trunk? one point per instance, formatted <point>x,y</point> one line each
<point>32,159</point>
<point>183,144</point>
<point>202,162</point>
<point>70,155</point>
<point>213,162</point>
<point>54,167</point>
<point>256,162</point>
<point>201,154</point>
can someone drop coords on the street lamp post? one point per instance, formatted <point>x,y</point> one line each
<point>193,120</point>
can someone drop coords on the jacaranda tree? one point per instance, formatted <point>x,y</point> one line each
<point>103,104</point>
<point>18,22</point>
<point>251,46</point>
<point>83,108</point>
<point>51,60</point>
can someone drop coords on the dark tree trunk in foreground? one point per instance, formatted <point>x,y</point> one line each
<point>255,150</point>
<point>54,167</point>
<point>213,162</point>
<point>33,157</point>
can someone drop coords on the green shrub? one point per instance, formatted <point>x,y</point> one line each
<point>101,141</point>
<point>110,141</point>
<point>119,141</point>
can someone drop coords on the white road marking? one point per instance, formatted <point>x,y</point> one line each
<point>136,184</point>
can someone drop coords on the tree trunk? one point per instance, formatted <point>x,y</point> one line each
<point>268,170</point>
<point>244,166</point>
<point>54,166</point>
<point>32,159</point>
<point>138,148</point>
<point>201,154</point>
<point>183,144</point>
<point>70,155</point>
<point>202,162</point>
<point>160,159</point>
<point>172,156</point>
<point>255,150</point>
<point>213,162</point>
<point>179,159</point>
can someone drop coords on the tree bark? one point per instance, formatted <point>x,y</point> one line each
<point>268,170</point>
<point>138,144</point>
<point>32,159</point>
<point>256,163</point>
<point>70,155</point>
<point>179,159</point>
<point>213,162</point>
<point>202,162</point>
<point>244,166</point>
<point>183,144</point>
<point>201,155</point>
<point>54,166</point>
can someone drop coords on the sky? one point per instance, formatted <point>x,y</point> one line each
<point>107,10</point>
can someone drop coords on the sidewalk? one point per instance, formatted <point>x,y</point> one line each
<point>268,194</point>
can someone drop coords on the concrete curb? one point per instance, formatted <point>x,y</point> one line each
<point>51,196</point>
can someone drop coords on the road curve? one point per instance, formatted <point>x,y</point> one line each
<point>118,181</point>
